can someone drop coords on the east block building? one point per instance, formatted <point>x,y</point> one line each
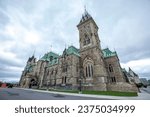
<point>90,67</point>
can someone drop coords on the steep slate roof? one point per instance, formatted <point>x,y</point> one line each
<point>130,70</point>
<point>85,16</point>
<point>126,73</point>
<point>29,68</point>
<point>47,56</point>
<point>31,58</point>
<point>107,53</point>
<point>73,50</point>
<point>55,60</point>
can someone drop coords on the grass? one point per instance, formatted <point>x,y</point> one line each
<point>110,93</point>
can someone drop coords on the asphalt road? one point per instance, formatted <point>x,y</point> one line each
<point>147,90</point>
<point>20,94</point>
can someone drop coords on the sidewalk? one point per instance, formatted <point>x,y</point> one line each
<point>141,96</point>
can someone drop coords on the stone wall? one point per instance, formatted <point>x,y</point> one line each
<point>117,72</point>
<point>122,87</point>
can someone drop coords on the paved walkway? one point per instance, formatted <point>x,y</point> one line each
<point>141,96</point>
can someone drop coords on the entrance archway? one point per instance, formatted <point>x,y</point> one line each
<point>33,82</point>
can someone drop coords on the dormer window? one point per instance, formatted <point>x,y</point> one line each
<point>51,58</point>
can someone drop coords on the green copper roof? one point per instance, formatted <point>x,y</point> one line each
<point>49,56</point>
<point>53,58</point>
<point>72,50</point>
<point>108,53</point>
<point>29,68</point>
<point>53,62</point>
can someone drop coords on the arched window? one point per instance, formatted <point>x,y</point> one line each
<point>110,68</point>
<point>89,70</point>
<point>65,79</point>
<point>86,71</point>
<point>113,79</point>
<point>51,58</point>
<point>52,72</point>
<point>86,40</point>
<point>64,69</point>
<point>55,71</point>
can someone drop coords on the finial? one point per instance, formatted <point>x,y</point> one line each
<point>50,48</point>
<point>65,45</point>
<point>34,52</point>
<point>85,8</point>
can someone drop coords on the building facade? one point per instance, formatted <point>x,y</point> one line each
<point>90,67</point>
<point>131,76</point>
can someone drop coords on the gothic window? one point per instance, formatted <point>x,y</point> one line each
<point>55,60</point>
<point>65,79</point>
<point>110,68</point>
<point>113,79</point>
<point>52,72</point>
<point>86,71</point>
<point>89,70</point>
<point>86,40</point>
<point>64,69</point>
<point>92,70</point>
<point>55,71</point>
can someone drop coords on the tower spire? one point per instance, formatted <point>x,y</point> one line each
<point>85,8</point>
<point>34,52</point>
<point>51,48</point>
<point>85,15</point>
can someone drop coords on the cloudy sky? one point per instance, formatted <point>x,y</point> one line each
<point>43,25</point>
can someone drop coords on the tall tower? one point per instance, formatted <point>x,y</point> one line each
<point>95,75</point>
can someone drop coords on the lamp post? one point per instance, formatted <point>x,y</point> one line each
<point>48,85</point>
<point>80,86</point>
<point>80,81</point>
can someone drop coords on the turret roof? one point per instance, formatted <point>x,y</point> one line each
<point>107,53</point>
<point>85,16</point>
<point>73,50</point>
<point>47,56</point>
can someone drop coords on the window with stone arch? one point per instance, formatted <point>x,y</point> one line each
<point>86,41</point>
<point>88,67</point>
<point>110,68</point>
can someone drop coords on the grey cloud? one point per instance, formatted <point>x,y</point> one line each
<point>123,25</point>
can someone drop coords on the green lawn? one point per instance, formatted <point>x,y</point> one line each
<point>111,93</point>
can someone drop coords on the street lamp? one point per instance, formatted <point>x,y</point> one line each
<point>80,86</point>
<point>48,85</point>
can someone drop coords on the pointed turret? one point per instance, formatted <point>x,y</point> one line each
<point>85,16</point>
<point>31,58</point>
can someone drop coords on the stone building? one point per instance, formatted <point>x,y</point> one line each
<point>89,68</point>
<point>144,81</point>
<point>131,76</point>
